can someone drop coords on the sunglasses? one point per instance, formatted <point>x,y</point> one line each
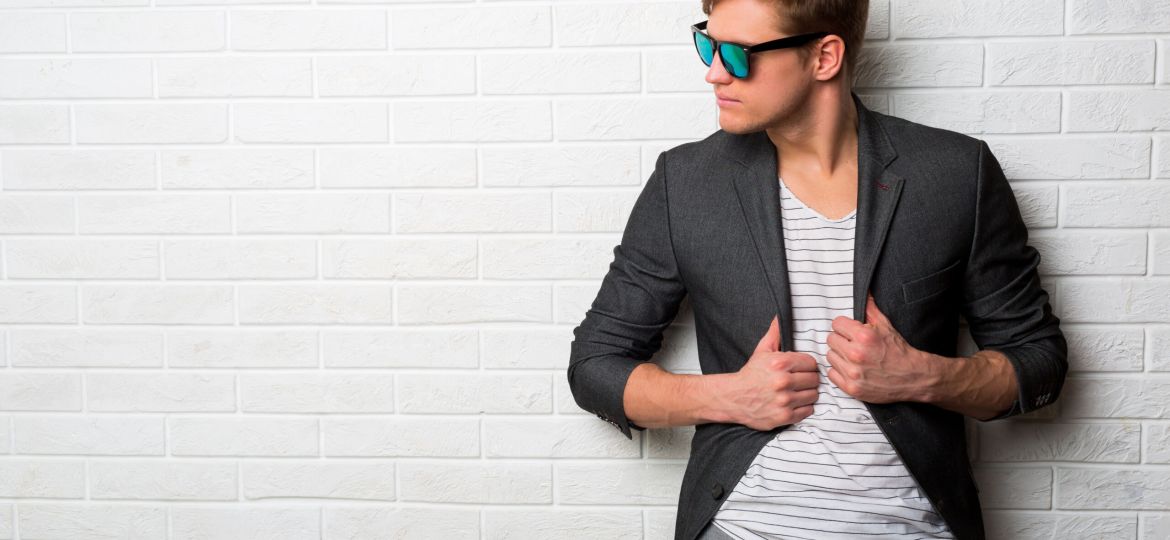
<point>735,56</point>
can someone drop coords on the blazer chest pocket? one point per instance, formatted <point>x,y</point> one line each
<point>932,284</point>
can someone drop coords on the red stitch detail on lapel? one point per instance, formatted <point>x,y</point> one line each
<point>881,185</point>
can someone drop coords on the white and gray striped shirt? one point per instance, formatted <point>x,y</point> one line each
<point>833,474</point>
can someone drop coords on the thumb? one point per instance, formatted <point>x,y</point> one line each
<point>873,314</point>
<point>771,340</point>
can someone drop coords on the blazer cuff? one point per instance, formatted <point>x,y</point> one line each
<point>1039,375</point>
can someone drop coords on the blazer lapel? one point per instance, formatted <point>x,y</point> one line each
<point>757,187</point>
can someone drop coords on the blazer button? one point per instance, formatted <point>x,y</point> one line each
<point>716,490</point>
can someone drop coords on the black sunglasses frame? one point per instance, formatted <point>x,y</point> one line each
<point>782,43</point>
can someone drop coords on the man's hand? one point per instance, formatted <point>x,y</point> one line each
<point>773,388</point>
<point>872,362</point>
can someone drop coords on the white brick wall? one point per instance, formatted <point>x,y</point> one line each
<point>309,268</point>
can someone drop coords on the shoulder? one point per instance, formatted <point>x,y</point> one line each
<point>919,145</point>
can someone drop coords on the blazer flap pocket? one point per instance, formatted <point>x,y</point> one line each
<point>924,287</point>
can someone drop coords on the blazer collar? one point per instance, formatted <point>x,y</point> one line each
<point>757,187</point>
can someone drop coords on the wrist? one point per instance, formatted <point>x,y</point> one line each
<point>940,371</point>
<point>713,387</point>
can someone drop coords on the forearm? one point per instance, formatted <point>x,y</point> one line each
<point>981,386</point>
<point>656,398</point>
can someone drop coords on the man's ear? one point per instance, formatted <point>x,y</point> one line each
<point>829,57</point>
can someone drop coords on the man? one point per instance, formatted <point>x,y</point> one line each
<point>828,252</point>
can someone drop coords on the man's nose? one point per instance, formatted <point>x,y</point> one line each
<point>716,72</point>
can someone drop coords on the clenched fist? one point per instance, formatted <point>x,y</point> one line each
<point>774,388</point>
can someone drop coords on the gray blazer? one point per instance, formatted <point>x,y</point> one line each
<point>938,236</point>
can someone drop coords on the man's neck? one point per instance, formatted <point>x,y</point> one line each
<point>822,140</point>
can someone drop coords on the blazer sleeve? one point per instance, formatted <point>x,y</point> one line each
<point>1003,302</point>
<point>638,299</point>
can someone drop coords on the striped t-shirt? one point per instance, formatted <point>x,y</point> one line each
<point>834,474</point>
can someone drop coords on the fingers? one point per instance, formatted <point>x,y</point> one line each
<point>771,340</point>
<point>804,380</point>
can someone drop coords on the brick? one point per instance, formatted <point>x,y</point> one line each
<point>196,480</point>
<point>86,347</point>
<point>593,211</point>
<point>1109,348</point>
<point>240,258</point>
<point>402,258</point>
<point>1048,525</point>
<point>1118,204</point>
<point>1133,110</point>
<point>111,435</point>
<point>626,483</point>
<point>1118,16</point>
<point>157,304</point>
<point>401,348</point>
<point>472,211</point>
<point>317,479</point>
<point>1116,397</point>
<point>556,438</point>
<point>561,72</point>
<point>157,213</point>
<point>1157,448</point>
<point>934,65</point>
<point>46,304</point>
<point>34,124</point>
<point>235,76</point>
<point>477,27</point>
<point>1102,489</point>
<point>235,168</point>
<point>148,31</point>
<point>315,304</point>
<point>115,520</point>
<point>405,522</point>
<point>635,118</point>
<point>402,436</point>
<point>317,393</point>
<point>1014,487</point>
<point>1070,252</point>
<point>398,167</point>
<point>1160,252</point>
<point>478,120</point>
<point>544,166</point>
<point>33,32</point>
<point>312,30</point>
<point>513,393</point>
<point>69,258</point>
<point>313,213</point>
<point>160,391</point>
<point>75,78</point>
<point>525,348</point>
<point>1068,62</point>
<point>151,123</point>
<point>1114,300</point>
<point>242,348</point>
<point>962,18</point>
<point>396,75</point>
<point>474,481</point>
<point>1159,359</point>
<point>546,258</point>
<point>77,169</point>
<point>1067,158</point>
<point>311,122</point>
<point>42,478</point>
<point>666,23</point>
<point>984,112</point>
<point>263,520</point>
<point>1028,441</point>
<point>33,391</point>
<point>473,304</point>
